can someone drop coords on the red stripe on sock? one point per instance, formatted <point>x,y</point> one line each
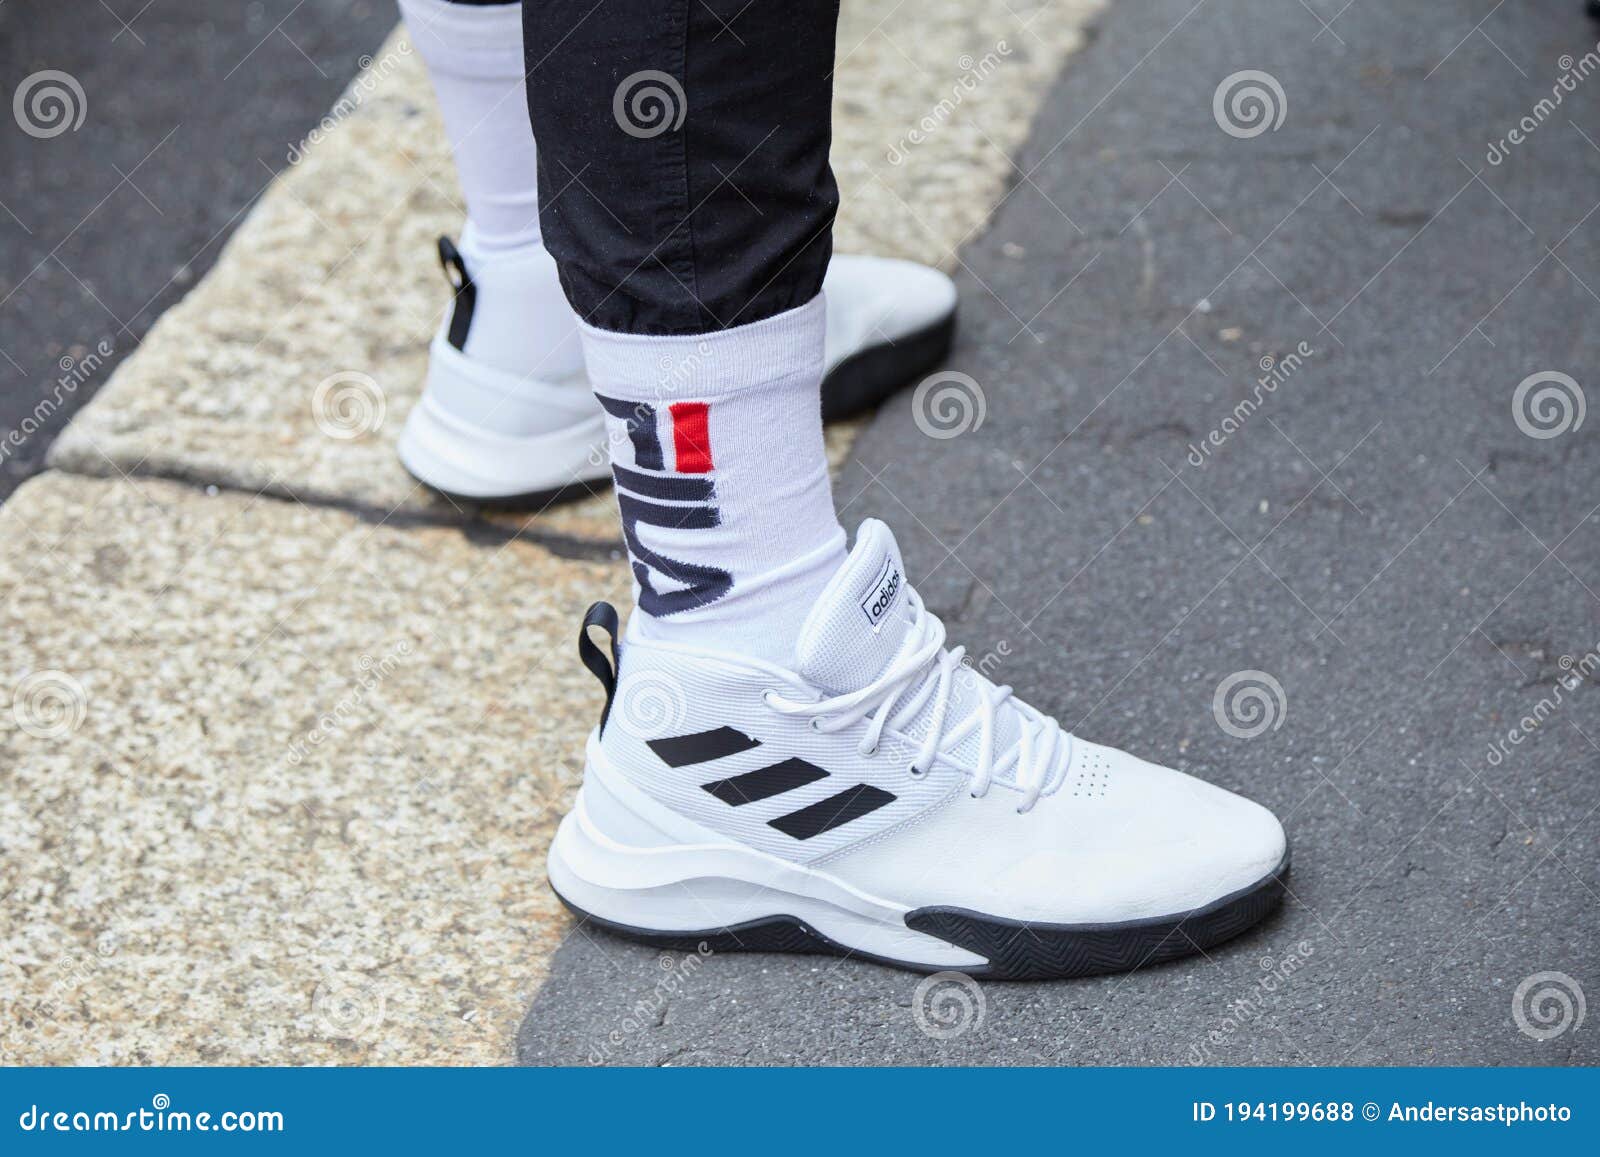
<point>691,440</point>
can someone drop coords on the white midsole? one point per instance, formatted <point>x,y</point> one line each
<point>447,444</point>
<point>479,464</point>
<point>704,885</point>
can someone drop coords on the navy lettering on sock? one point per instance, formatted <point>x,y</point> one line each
<point>650,495</point>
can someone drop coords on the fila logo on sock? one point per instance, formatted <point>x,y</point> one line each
<point>679,497</point>
<point>882,596</point>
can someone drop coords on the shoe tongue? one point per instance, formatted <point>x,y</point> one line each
<point>860,621</point>
<point>859,626</point>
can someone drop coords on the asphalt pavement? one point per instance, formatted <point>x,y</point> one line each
<point>1282,478</point>
<point>144,134</point>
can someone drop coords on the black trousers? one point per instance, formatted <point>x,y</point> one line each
<point>684,184</point>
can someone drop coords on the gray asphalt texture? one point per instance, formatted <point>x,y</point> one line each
<point>1380,537</point>
<point>188,112</point>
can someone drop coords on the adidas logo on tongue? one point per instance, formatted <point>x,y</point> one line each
<point>834,651</point>
<point>885,591</point>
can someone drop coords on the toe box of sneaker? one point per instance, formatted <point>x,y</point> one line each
<point>1125,839</point>
<point>1118,839</point>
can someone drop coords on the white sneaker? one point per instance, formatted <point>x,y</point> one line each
<point>482,433</point>
<point>887,800</point>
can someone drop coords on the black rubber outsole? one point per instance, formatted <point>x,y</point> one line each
<point>857,384</point>
<point>1015,950</point>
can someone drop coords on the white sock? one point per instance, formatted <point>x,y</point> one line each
<point>521,322</point>
<point>474,58</point>
<point>722,479</point>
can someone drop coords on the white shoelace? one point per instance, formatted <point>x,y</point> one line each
<point>925,665</point>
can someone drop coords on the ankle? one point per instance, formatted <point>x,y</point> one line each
<point>722,479</point>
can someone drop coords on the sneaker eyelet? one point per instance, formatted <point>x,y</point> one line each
<point>816,723</point>
<point>915,772</point>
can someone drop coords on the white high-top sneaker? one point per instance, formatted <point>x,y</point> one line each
<point>482,433</point>
<point>886,800</point>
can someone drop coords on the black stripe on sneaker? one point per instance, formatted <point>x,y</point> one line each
<point>678,488</point>
<point>765,782</point>
<point>701,747</point>
<point>833,812</point>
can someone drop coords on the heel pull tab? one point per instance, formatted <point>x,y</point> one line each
<point>604,616</point>
<point>466,299</point>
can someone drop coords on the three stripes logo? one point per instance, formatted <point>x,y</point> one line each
<point>765,782</point>
<point>679,498</point>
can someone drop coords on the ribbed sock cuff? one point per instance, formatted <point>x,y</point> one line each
<point>777,352</point>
